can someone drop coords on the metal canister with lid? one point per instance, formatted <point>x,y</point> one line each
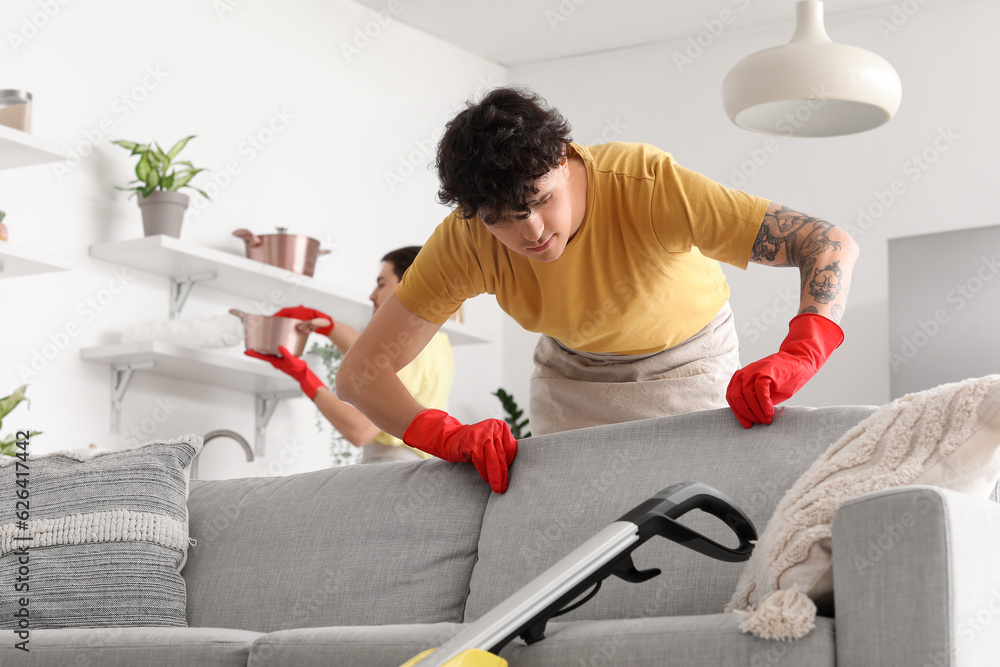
<point>15,109</point>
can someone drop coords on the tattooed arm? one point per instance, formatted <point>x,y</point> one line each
<point>824,254</point>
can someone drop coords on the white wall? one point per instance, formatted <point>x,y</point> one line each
<point>946,55</point>
<point>225,71</point>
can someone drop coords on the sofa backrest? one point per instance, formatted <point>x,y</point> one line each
<point>566,487</point>
<point>359,545</point>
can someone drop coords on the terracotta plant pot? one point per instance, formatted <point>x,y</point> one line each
<point>163,212</point>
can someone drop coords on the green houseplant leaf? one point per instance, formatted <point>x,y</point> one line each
<point>517,425</point>
<point>128,145</point>
<point>143,167</point>
<point>8,403</point>
<point>156,169</point>
<point>178,147</point>
<point>8,444</point>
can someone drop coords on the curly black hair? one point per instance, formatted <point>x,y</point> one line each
<point>493,151</point>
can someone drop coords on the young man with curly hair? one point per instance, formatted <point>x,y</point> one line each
<point>612,253</point>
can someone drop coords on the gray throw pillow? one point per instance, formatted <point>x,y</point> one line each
<point>108,537</point>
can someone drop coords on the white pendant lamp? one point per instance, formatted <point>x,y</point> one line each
<point>811,87</point>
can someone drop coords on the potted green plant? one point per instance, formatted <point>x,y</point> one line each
<point>158,179</point>
<point>8,443</point>
<point>3,228</point>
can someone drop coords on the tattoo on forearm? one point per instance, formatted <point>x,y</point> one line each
<point>809,309</point>
<point>826,282</point>
<point>790,238</point>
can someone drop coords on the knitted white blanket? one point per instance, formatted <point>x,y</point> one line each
<point>946,436</point>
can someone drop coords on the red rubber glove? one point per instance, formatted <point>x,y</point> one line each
<point>755,389</point>
<point>489,445</point>
<point>293,366</point>
<point>303,313</point>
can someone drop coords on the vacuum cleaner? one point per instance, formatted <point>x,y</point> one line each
<point>609,552</point>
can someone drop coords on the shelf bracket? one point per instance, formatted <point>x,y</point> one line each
<point>180,288</point>
<point>263,410</point>
<point>121,375</point>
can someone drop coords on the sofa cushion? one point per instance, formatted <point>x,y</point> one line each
<point>679,641</point>
<point>947,436</point>
<point>371,646</point>
<point>356,545</point>
<point>106,536</point>
<point>565,487</point>
<point>132,647</point>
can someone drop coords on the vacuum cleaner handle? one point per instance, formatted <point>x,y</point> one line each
<point>656,517</point>
<point>558,589</point>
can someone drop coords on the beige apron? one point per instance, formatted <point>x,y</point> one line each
<point>571,389</point>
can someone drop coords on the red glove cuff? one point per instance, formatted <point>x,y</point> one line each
<point>814,335</point>
<point>432,427</point>
<point>304,313</point>
<point>310,384</point>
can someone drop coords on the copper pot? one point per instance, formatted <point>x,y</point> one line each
<point>266,333</point>
<point>288,251</point>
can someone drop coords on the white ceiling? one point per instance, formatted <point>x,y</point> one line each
<point>515,32</point>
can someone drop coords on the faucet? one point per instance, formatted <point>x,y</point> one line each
<point>220,433</point>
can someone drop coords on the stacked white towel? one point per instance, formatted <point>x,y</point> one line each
<point>200,333</point>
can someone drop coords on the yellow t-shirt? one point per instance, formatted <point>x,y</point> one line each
<point>428,378</point>
<point>640,275</point>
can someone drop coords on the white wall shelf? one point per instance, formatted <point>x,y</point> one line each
<point>204,366</point>
<point>20,149</point>
<point>181,260</point>
<point>16,260</point>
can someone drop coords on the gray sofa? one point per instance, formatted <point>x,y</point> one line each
<point>370,565</point>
